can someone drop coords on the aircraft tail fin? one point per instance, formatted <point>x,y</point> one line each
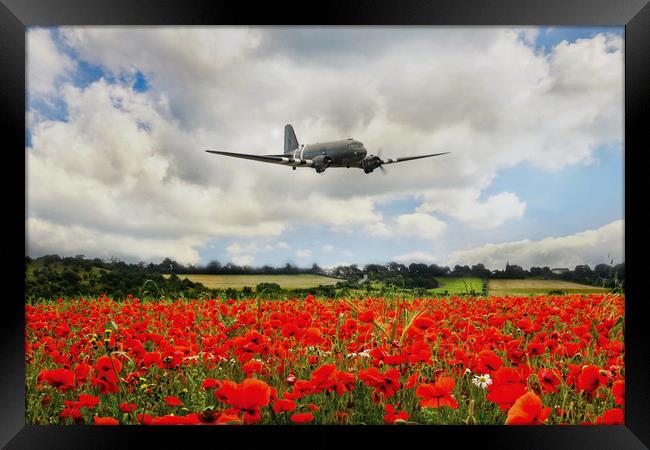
<point>290,139</point>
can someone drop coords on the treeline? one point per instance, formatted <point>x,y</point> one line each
<point>169,266</point>
<point>53,276</point>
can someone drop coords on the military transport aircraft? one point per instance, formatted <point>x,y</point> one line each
<point>344,153</point>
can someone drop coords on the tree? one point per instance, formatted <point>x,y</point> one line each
<point>603,270</point>
<point>479,270</point>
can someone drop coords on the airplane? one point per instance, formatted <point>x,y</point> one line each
<point>343,153</point>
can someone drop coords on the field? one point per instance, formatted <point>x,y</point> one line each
<point>449,360</point>
<point>529,286</point>
<point>240,281</point>
<point>458,285</point>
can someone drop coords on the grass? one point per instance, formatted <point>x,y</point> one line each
<point>240,281</point>
<point>458,285</point>
<point>529,286</point>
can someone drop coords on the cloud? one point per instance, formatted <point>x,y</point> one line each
<point>244,254</point>
<point>416,257</point>
<point>131,164</point>
<point>45,237</point>
<point>464,205</point>
<point>327,248</point>
<point>45,63</point>
<point>588,247</point>
<point>416,226</point>
<point>243,259</point>
<point>303,253</point>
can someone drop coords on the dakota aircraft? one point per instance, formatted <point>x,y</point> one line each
<point>344,153</point>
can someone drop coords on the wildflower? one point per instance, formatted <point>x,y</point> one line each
<point>438,394</point>
<point>482,381</point>
<point>302,417</point>
<point>527,410</point>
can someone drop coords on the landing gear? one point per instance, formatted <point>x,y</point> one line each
<point>294,167</point>
<point>368,170</point>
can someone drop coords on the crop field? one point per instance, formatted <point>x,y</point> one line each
<point>458,285</point>
<point>545,360</point>
<point>240,281</point>
<point>528,286</point>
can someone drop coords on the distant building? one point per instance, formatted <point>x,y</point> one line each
<point>559,270</point>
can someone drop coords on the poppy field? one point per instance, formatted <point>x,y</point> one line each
<point>542,360</point>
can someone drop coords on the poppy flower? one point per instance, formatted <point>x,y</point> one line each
<point>618,389</point>
<point>506,387</point>
<point>527,410</point>
<point>391,416</point>
<point>173,401</point>
<point>302,417</point>
<point>105,421</point>
<point>62,379</point>
<point>107,368</point>
<point>82,372</point>
<point>230,419</point>
<point>589,379</point>
<point>226,391</point>
<point>283,405</point>
<point>72,413</point>
<point>251,395</point>
<point>127,407</point>
<point>549,380</point>
<point>488,361</point>
<point>367,317</point>
<point>170,420</point>
<point>210,383</point>
<point>438,394</point>
<point>89,401</point>
<point>614,416</point>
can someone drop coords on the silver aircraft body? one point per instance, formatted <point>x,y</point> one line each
<point>323,155</point>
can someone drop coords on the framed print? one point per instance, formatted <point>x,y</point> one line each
<point>402,221</point>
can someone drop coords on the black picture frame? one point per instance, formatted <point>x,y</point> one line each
<point>16,15</point>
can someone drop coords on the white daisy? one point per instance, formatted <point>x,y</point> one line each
<point>482,381</point>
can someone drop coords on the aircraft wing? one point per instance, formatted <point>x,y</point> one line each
<point>273,159</point>
<point>410,158</point>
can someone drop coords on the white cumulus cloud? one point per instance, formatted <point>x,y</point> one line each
<point>587,247</point>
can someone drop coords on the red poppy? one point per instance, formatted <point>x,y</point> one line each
<point>251,395</point>
<point>527,410</point>
<point>105,421</point>
<point>107,368</point>
<point>506,387</point>
<point>170,420</point>
<point>173,401</point>
<point>226,392</point>
<point>488,361</point>
<point>367,316</point>
<point>62,379</point>
<point>618,389</point>
<point>89,401</point>
<point>589,379</point>
<point>614,416</point>
<point>127,407</point>
<point>210,383</point>
<point>549,380</point>
<point>438,394</point>
<point>283,405</point>
<point>302,417</point>
<point>391,416</point>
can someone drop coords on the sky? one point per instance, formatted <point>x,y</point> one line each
<point>118,118</point>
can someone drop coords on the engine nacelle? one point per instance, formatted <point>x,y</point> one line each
<point>321,162</point>
<point>370,163</point>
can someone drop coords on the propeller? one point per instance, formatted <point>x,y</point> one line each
<point>381,166</point>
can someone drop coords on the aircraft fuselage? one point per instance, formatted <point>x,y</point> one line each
<point>343,153</point>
